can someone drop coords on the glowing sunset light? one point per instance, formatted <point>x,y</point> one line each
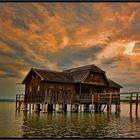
<point>129,48</point>
<point>58,36</point>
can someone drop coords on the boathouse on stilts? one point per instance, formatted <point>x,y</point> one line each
<point>85,88</point>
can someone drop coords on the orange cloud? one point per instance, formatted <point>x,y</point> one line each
<point>56,36</point>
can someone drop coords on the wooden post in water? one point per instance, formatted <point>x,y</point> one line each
<point>117,103</point>
<point>25,107</point>
<point>131,104</point>
<point>80,97</point>
<point>50,107</point>
<point>107,107</point>
<point>98,103</point>
<point>30,107</point>
<point>33,107</point>
<point>44,108</point>
<point>116,107</point>
<point>16,102</point>
<point>136,104</point>
<point>110,101</point>
<point>92,98</point>
<point>92,108</point>
<point>19,103</point>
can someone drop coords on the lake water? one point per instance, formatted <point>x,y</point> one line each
<point>68,125</point>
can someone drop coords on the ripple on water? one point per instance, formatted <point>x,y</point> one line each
<point>75,125</point>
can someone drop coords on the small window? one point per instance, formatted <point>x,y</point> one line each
<point>38,88</point>
<point>30,88</point>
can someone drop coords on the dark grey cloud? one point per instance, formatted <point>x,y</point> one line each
<point>25,29</point>
<point>70,54</point>
<point>10,62</point>
<point>137,44</point>
<point>14,45</point>
<point>110,60</point>
<point>73,16</point>
<point>20,23</point>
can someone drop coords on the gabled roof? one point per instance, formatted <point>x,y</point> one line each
<point>75,75</point>
<point>92,68</point>
<point>79,76</point>
<point>81,73</point>
<point>53,76</point>
<point>114,84</point>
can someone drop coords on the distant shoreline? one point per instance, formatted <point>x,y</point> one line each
<point>124,101</point>
<point>7,100</point>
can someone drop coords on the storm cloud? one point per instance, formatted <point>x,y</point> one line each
<point>58,36</point>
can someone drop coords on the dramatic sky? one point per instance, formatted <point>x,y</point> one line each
<point>58,36</point>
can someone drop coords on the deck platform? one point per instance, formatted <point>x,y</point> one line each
<point>96,100</point>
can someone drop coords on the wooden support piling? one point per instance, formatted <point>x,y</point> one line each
<point>92,103</point>
<point>50,107</point>
<point>97,106</point>
<point>108,107</point>
<point>95,100</point>
<point>25,107</point>
<point>131,104</point>
<point>136,113</point>
<point>116,107</point>
<point>29,107</point>
<point>110,101</point>
<point>104,108</point>
<point>32,107</point>
<point>16,102</point>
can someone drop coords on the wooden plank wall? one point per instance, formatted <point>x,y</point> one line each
<point>96,78</point>
<point>51,93</point>
<point>59,93</point>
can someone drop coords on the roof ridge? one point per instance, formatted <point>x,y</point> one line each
<point>79,67</point>
<point>86,67</point>
<point>47,70</point>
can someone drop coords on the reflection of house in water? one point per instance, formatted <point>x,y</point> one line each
<point>66,125</point>
<point>70,89</point>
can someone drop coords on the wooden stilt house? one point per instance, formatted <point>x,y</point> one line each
<point>72,86</point>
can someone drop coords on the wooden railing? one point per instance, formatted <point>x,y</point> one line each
<point>83,98</point>
<point>19,97</point>
<point>19,100</point>
<point>98,98</point>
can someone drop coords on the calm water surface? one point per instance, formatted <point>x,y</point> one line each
<point>69,125</point>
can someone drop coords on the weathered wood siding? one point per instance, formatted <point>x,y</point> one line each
<point>34,89</point>
<point>34,92</point>
<point>113,90</point>
<point>37,91</point>
<point>59,93</point>
<point>116,98</point>
<point>96,79</point>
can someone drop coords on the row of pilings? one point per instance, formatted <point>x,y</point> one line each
<point>67,107</point>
